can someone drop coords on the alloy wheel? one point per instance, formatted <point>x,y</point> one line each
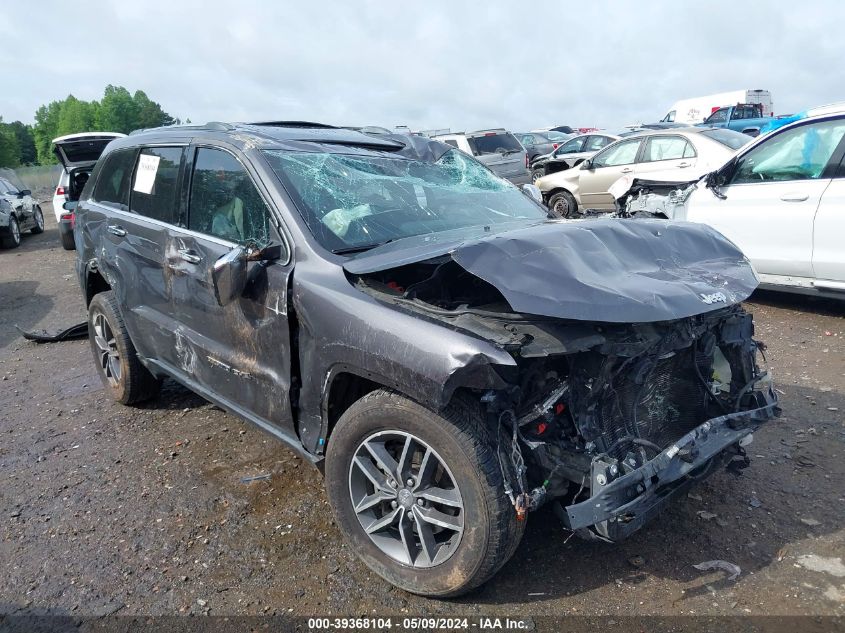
<point>15,230</point>
<point>406,499</point>
<point>106,349</point>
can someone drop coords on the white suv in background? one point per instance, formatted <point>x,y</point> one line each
<point>498,149</point>
<point>77,154</point>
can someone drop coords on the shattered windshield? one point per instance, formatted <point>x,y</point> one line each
<point>356,201</point>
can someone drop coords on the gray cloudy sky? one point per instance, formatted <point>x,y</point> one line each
<point>463,65</point>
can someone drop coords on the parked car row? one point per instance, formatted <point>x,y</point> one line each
<point>695,151</point>
<point>19,212</point>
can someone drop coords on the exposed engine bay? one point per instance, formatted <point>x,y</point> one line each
<point>603,419</point>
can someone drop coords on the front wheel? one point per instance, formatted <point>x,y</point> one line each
<point>563,205</point>
<point>537,174</point>
<point>419,495</point>
<point>39,222</point>
<point>12,239</point>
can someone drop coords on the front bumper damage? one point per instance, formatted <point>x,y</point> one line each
<point>622,506</point>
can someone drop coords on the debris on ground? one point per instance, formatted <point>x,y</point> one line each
<point>636,561</point>
<point>78,331</point>
<point>733,570</point>
<point>704,514</point>
<point>810,522</point>
<point>262,477</point>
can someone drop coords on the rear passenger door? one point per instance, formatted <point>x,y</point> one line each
<point>238,354</point>
<point>132,203</point>
<point>667,152</point>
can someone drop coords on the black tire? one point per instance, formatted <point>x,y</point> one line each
<point>537,174</point>
<point>67,241</point>
<point>563,205</point>
<point>462,440</point>
<point>12,237</point>
<point>127,380</point>
<point>39,222</point>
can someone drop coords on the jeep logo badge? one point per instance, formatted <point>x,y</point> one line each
<point>716,297</point>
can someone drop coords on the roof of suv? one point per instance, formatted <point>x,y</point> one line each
<point>268,134</point>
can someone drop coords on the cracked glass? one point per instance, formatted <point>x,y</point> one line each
<point>360,200</point>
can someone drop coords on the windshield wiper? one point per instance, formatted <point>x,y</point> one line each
<point>348,250</point>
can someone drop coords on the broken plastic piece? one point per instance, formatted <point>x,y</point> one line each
<point>264,477</point>
<point>724,565</point>
<point>80,330</point>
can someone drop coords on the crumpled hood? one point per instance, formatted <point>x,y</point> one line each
<point>610,270</point>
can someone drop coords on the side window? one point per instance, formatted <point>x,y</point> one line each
<point>570,147</point>
<point>112,186</point>
<point>801,153</point>
<point>664,148</point>
<point>6,187</point>
<point>594,143</point>
<point>670,118</point>
<point>451,142</point>
<point>155,187</point>
<point>623,153</point>
<point>224,200</point>
<point>689,151</point>
<point>719,116</point>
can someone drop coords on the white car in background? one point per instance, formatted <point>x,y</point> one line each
<point>691,152</point>
<point>781,200</point>
<point>77,153</point>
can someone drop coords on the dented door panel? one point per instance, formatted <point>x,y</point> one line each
<point>241,351</point>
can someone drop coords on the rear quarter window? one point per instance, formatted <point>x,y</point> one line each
<point>112,188</point>
<point>494,144</point>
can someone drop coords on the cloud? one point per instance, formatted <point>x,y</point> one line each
<point>435,64</point>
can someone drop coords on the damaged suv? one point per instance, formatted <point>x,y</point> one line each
<point>420,329</point>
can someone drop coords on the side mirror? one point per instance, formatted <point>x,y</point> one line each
<point>229,275</point>
<point>587,164</point>
<point>533,192</point>
<point>24,192</point>
<point>268,253</point>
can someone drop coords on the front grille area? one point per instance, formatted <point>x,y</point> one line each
<point>657,399</point>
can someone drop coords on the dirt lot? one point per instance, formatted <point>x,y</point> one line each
<point>109,509</point>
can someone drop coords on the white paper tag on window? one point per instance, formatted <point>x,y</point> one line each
<point>146,174</point>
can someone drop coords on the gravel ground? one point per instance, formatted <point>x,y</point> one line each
<point>110,509</point>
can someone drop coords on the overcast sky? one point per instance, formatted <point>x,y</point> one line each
<point>463,65</point>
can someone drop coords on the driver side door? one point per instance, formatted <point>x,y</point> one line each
<point>239,354</point>
<point>772,192</point>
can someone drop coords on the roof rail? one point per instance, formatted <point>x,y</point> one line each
<point>301,124</point>
<point>211,125</point>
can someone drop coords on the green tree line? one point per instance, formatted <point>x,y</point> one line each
<point>117,111</point>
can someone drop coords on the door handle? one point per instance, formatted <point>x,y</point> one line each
<point>189,256</point>
<point>682,165</point>
<point>794,197</point>
<point>115,229</point>
<point>627,170</point>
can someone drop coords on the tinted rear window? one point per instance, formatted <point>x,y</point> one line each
<point>494,143</point>
<point>155,191</point>
<point>730,138</point>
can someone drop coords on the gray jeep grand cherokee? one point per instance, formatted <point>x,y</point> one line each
<point>422,331</point>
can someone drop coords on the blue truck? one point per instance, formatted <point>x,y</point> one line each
<point>743,117</point>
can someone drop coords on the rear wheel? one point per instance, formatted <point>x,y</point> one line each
<point>563,205</point>
<point>12,238</point>
<point>39,222</point>
<point>419,496</point>
<point>118,365</point>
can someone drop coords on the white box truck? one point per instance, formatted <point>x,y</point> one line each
<point>693,111</point>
